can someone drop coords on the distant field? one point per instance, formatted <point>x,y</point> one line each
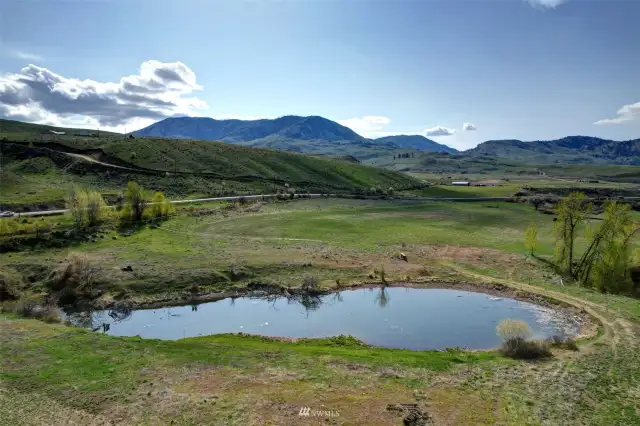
<point>339,239</point>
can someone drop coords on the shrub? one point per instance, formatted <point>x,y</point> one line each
<point>32,308</point>
<point>525,349</point>
<point>563,342</point>
<point>515,334</point>
<point>309,283</point>
<point>10,284</point>
<point>75,277</point>
<point>513,329</point>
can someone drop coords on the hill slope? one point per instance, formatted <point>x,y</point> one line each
<point>571,149</point>
<point>19,128</point>
<point>416,142</point>
<point>210,160</point>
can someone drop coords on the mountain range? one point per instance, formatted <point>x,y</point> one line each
<point>568,150</point>
<point>294,133</point>
<point>319,135</point>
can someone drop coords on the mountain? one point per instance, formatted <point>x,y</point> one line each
<point>570,149</point>
<point>292,133</point>
<point>417,142</point>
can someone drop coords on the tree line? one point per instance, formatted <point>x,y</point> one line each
<point>89,209</point>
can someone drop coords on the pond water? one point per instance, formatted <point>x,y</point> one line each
<point>394,317</point>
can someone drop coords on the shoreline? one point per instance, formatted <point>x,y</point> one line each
<point>588,326</point>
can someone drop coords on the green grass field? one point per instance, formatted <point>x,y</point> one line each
<point>85,377</point>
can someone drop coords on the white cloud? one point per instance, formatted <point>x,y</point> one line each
<point>629,112</point>
<point>439,131</point>
<point>468,127</point>
<point>159,90</point>
<point>548,4</point>
<point>27,56</point>
<point>369,126</point>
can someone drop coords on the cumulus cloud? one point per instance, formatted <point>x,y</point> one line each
<point>468,127</point>
<point>439,131</point>
<point>369,126</point>
<point>159,90</point>
<point>548,4</point>
<point>629,112</point>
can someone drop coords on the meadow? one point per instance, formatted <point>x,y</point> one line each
<point>90,378</point>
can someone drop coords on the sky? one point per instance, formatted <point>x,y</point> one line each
<point>457,71</point>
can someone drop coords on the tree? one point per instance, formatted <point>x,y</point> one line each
<point>96,208</point>
<point>87,207</point>
<point>605,264</point>
<point>135,201</point>
<point>160,207</point>
<point>571,212</point>
<point>76,202</point>
<point>531,238</point>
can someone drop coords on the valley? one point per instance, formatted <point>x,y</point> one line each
<point>242,311</point>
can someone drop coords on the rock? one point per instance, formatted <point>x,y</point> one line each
<point>404,257</point>
<point>128,268</point>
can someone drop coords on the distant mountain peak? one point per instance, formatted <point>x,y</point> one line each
<point>417,142</point>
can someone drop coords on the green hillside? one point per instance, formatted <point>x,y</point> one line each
<point>38,170</point>
<point>17,129</point>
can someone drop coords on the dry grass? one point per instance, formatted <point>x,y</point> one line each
<point>76,277</point>
<point>32,308</point>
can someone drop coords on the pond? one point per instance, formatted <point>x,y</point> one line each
<point>394,317</point>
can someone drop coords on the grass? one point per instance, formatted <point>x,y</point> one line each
<point>87,377</point>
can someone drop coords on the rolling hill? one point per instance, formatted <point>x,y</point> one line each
<point>15,128</point>
<point>39,170</point>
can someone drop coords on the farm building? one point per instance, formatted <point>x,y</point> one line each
<point>461,183</point>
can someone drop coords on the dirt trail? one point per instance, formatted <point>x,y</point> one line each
<point>614,329</point>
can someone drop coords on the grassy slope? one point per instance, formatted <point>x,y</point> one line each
<point>80,375</point>
<point>12,128</point>
<point>239,170</point>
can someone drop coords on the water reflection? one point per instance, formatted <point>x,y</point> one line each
<point>417,318</point>
<point>382,299</point>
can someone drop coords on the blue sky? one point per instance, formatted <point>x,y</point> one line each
<point>512,68</point>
